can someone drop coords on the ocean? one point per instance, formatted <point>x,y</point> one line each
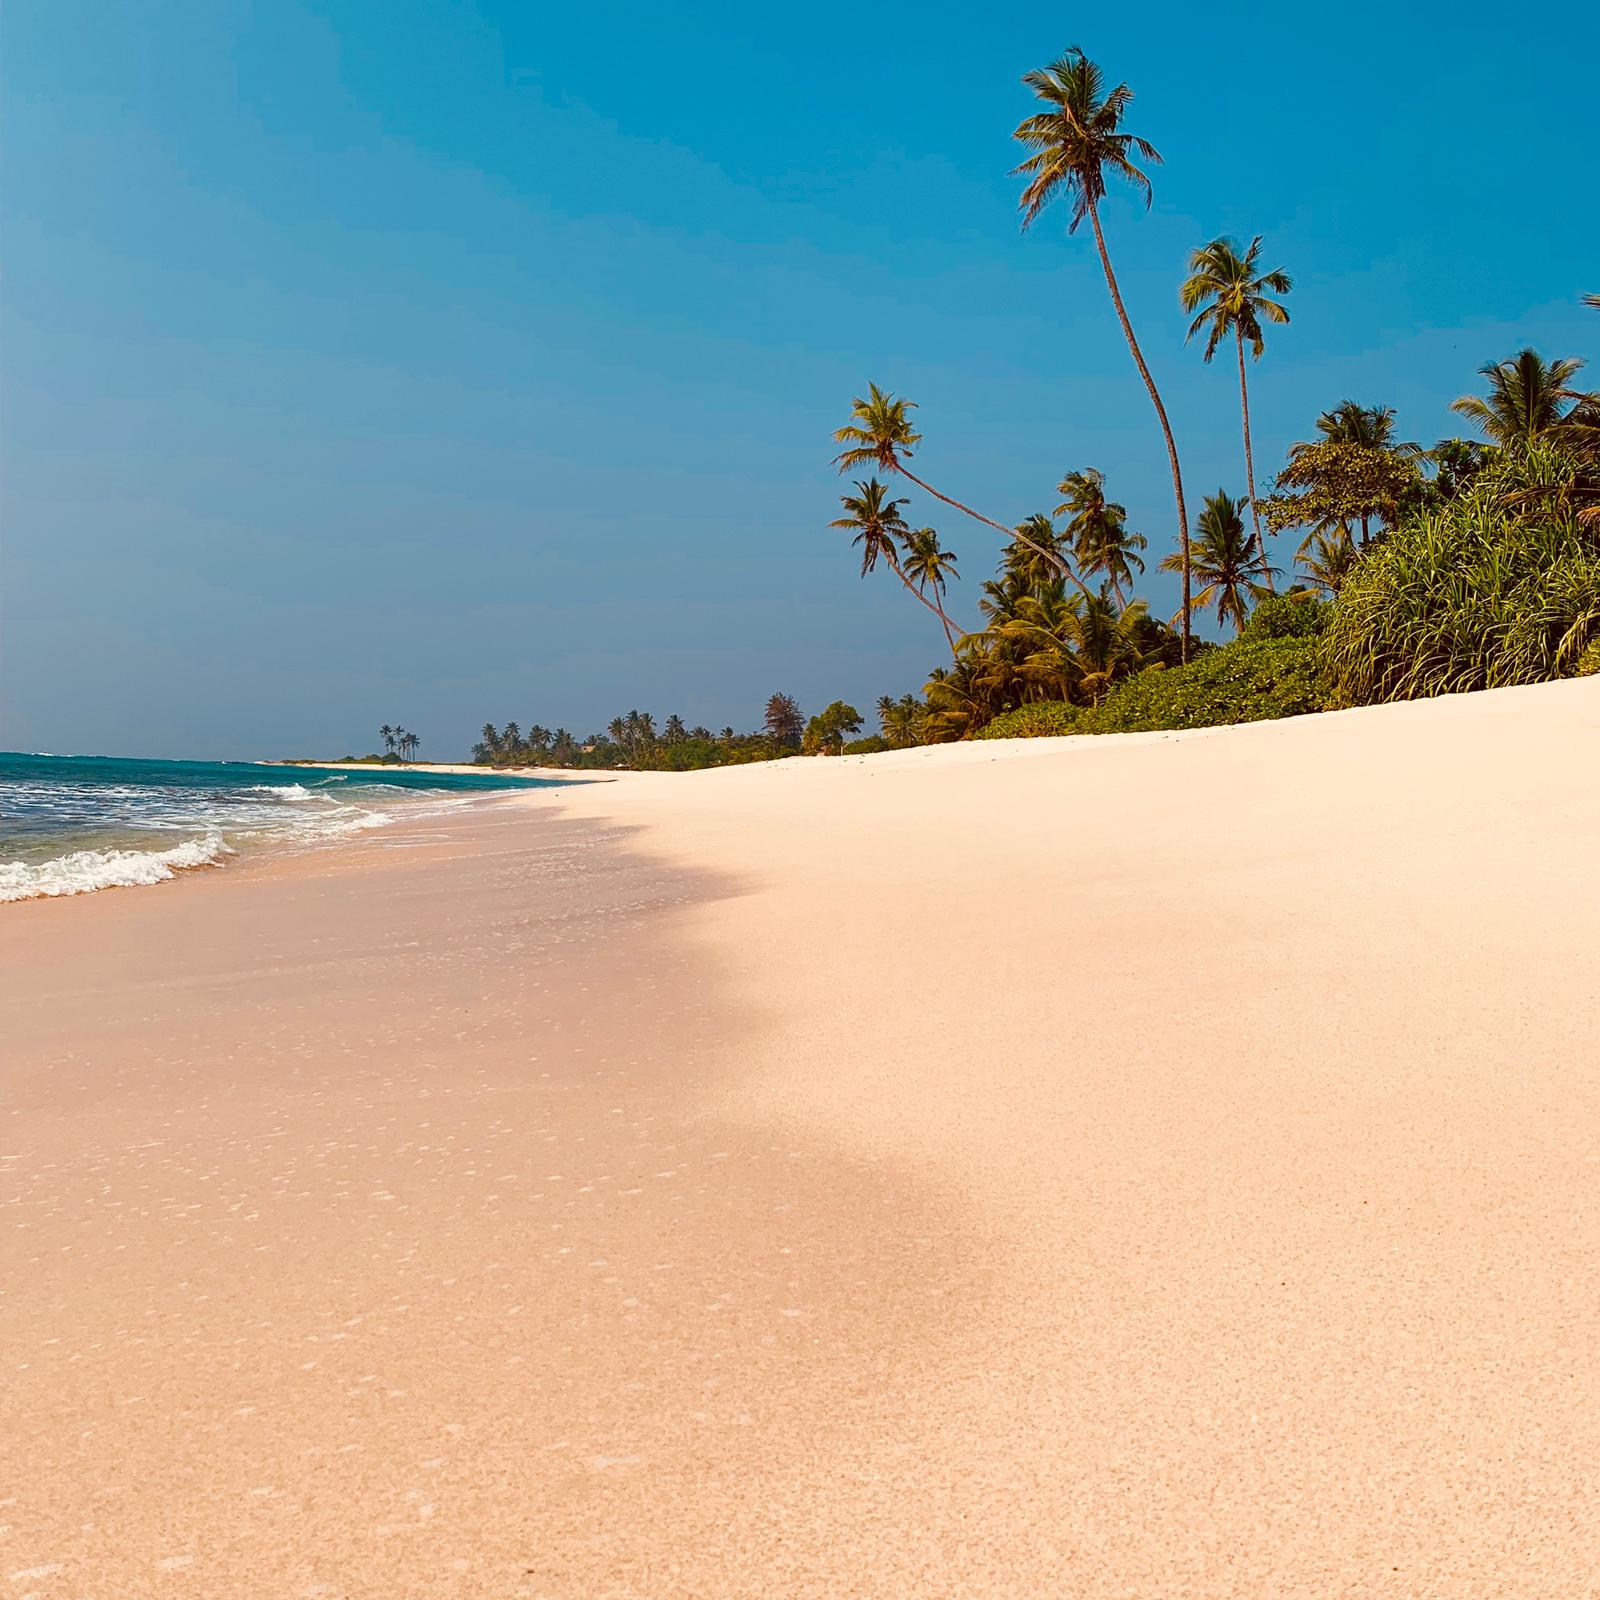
<point>74,824</point>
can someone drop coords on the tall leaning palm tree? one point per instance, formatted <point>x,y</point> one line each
<point>1226,560</point>
<point>1528,397</point>
<point>1229,294</point>
<point>880,433</point>
<point>880,529</point>
<point>930,566</point>
<point>1077,140</point>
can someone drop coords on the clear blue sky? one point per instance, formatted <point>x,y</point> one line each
<point>380,360</point>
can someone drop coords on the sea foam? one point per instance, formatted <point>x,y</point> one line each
<point>84,871</point>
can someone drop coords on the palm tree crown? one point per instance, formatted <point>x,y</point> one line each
<point>1226,560</point>
<point>879,433</point>
<point>1231,296</point>
<point>1528,396</point>
<point>1078,139</point>
<point>878,522</point>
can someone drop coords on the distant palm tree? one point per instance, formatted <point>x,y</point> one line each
<point>1098,530</point>
<point>1226,561</point>
<point>880,528</point>
<point>1326,558</point>
<point>386,733</point>
<point>880,434</point>
<point>929,565</point>
<point>1528,398</point>
<point>1076,142</point>
<point>1229,294</point>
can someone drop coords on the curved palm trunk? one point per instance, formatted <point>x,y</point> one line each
<point>1249,456</point>
<point>911,588</point>
<point>1161,413</point>
<point>950,638</point>
<point>1010,533</point>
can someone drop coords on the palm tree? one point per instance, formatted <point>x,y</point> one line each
<point>1370,427</point>
<point>1226,560</point>
<point>1076,142</point>
<point>1326,558</point>
<point>1098,530</point>
<point>880,527</point>
<point>1528,397</point>
<point>1230,295</point>
<point>929,565</point>
<point>880,434</point>
<point>1036,557</point>
<point>386,733</point>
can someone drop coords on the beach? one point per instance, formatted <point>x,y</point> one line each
<point>1159,1165</point>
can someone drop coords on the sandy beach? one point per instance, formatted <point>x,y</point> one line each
<point>1146,1166</point>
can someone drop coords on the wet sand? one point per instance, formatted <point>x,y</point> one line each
<point>1153,1166</point>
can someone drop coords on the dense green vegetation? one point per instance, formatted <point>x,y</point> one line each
<point>1470,564</point>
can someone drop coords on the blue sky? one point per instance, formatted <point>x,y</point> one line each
<point>440,362</point>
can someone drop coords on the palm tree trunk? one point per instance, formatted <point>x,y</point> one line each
<point>911,588</point>
<point>1249,456</point>
<point>1161,413</point>
<point>999,527</point>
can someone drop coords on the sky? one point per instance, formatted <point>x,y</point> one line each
<point>369,361</point>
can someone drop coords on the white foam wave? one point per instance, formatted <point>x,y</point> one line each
<point>84,871</point>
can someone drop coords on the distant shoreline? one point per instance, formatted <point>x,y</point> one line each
<point>453,768</point>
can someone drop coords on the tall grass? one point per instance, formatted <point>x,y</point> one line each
<point>1471,596</point>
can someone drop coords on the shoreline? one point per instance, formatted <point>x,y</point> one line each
<point>976,1169</point>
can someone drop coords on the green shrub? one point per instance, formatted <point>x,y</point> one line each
<point>870,746</point>
<point>1245,681</point>
<point>1297,615</point>
<point>1589,661</point>
<point>1044,720</point>
<point>1466,597</point>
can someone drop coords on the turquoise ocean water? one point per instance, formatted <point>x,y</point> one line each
<point>74,824</point>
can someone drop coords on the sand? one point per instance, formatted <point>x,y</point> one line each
<point>1157,1166</point>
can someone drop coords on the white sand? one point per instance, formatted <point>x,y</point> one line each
<point>1159,1166</point>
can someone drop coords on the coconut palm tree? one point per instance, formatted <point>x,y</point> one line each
<point>1226,560</point>
<point>929,565</point>
<point>1528,398</point>
<point>880,529</point>
<point>1076,142</point>
<point>1326,558</point>
<point>1036,557</point>
<point>880,434</point>
<point>1229,294</point>
<point>1098,530</point>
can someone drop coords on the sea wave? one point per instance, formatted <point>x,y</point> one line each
<point>84,871</point>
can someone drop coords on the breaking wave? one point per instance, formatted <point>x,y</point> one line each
<point>84,871</point>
